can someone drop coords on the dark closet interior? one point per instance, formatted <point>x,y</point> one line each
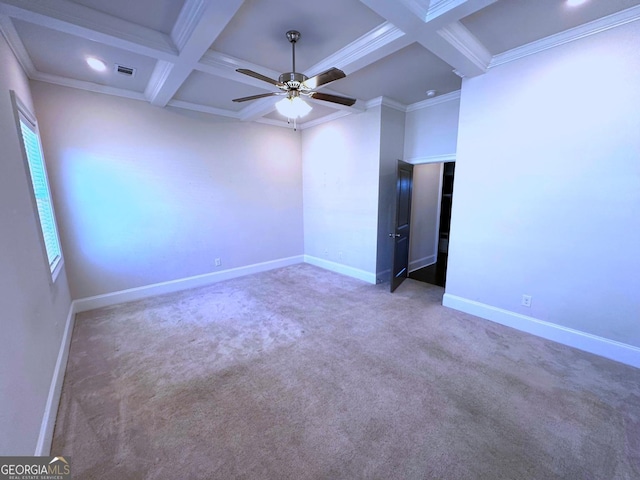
<point>436,274</point>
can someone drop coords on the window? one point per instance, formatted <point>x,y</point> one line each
<point>40,184</point>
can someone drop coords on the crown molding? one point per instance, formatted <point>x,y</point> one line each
<point>276,123</point>
<point>87,86</point>
<point>299,126</point>
<point>158,78</point>
<point>69,17</point>
<point>387,102</point>
<point>439,7</point>
<point>445,11</point>
<point>325,119</point>
<point>458,36</point>
<point>187,21</point>
<point>371,42</point>
<point>203,109</point>
<point>605,23</point>
<point>10,33</point>
<point>418,9</point>
<point>430,102</point>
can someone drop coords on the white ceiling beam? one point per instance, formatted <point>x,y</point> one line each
<point>87,86</point>
<point>75,19</point>
<point>207,19</point>
<point>459,48</point>
<point>187,21</point>
<point>442,12</point>
<point>398,14</point>
<point>436,27</point>
<point>383,40</point>
<point>158,78</point>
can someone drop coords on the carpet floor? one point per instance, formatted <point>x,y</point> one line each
<point>301,373</point>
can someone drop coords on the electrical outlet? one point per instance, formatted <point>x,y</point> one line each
<point>326,252</point>
<point>218,262</point>
<point>339,255</point>
<point>526,300</point>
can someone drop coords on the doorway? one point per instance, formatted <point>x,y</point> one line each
<point>436,272</point>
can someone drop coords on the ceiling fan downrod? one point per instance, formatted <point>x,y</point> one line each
<point>293,36</point>
<point>292,80</point>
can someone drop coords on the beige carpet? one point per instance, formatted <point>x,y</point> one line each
<point>300,373</point>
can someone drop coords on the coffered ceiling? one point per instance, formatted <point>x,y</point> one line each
<point>185,52</point>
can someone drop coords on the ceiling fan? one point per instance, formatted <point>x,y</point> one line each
<point>294,85</point>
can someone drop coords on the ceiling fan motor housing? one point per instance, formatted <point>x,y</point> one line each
<point>292,80</point>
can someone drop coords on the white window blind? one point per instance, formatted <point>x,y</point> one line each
<point>41,191</point>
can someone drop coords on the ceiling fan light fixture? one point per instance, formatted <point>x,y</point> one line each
<point>293,107</point>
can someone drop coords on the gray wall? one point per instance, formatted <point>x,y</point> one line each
<point>148,195</point>
<point>432,131</point>
<point>547,188</point>
<point>34,309</point>
<point>341,175</point>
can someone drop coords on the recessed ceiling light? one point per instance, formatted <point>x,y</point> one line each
<point>97,65</point>
<point>575,3</point>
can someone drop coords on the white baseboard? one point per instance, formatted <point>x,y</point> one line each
<point>620,352</point>
<point>422,262</point>
<point>447,157</point>
<point>340,268</point>
<point>108,299</point>
<point>43,447</point>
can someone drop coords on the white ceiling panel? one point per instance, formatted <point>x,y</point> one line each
<point>509,24</point>
<point>258,32</point>
<point>158,15</point>
<point>64,55</point>
<point>404,76</point>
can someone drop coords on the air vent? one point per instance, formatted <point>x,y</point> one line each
<point>127,71</point>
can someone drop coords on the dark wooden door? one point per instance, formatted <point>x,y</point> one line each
<point>400,236</point>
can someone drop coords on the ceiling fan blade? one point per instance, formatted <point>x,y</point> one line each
<point>259,76</point>
<point>324,78</point>
<point>255,97</point>
<point>333,98</point>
